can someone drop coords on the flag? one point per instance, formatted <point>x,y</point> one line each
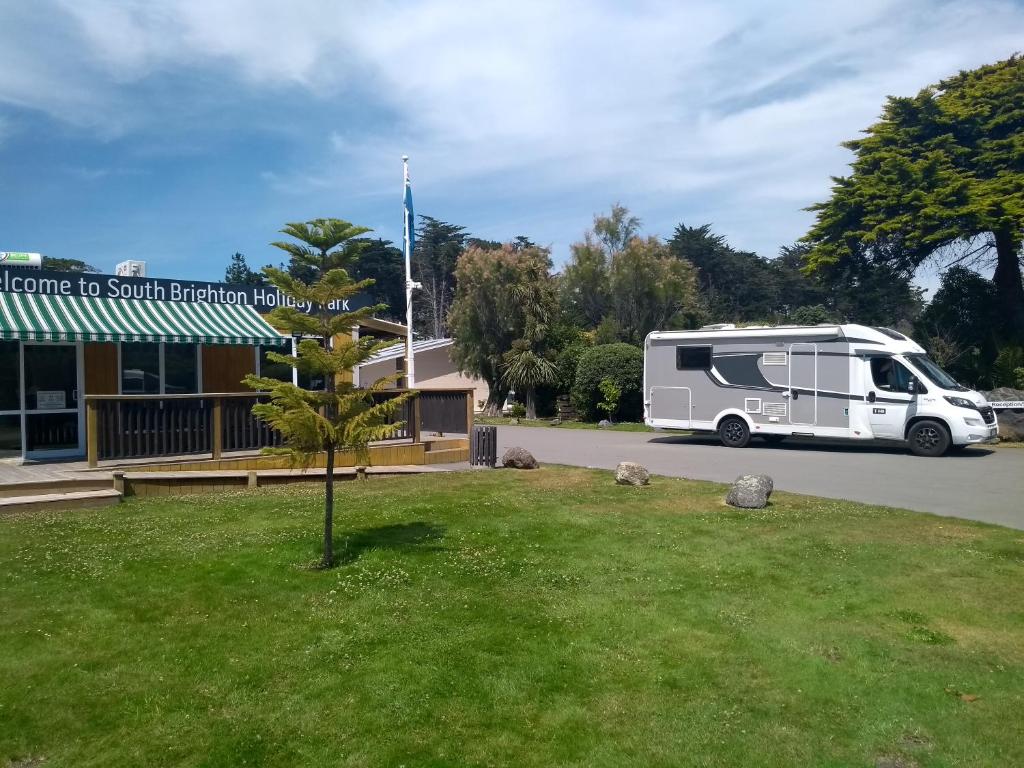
<point>410,221</point>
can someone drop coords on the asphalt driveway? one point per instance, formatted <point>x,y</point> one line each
<point>979,483</point>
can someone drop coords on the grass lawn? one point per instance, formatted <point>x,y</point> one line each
<point>497,618</point>
<point>625,426</point>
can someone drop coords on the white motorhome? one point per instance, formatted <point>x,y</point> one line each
<point>836,381</point>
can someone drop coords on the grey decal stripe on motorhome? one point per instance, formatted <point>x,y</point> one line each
<point>741,369</point>
<point>801,391</point>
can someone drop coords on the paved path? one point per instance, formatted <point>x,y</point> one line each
<point>979,484</point>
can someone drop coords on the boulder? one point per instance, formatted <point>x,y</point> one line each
<point>1011,421</point>
<point>519,458</point>
<point>604,424</point>
<point>750,492</point>
<point>631,473</point>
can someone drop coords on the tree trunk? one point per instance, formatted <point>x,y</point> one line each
<point>328,560</point>
<point>531,403</point>
<point>1009,290</point>
<point>495,400</point>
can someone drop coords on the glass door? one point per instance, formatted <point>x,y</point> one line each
<point>52,380</point>
<point>10,399</point>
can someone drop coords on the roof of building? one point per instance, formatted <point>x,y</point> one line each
<point>397,349</point>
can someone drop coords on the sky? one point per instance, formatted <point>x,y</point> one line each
<point>182,131</point>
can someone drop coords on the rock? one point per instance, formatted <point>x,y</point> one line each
<point>1011,421</point>
<point>631,473</point>
<point>519,458</point>
<point>604,424</point>
<point>750,492</point>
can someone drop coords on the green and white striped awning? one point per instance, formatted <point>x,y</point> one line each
<point>33,317</point>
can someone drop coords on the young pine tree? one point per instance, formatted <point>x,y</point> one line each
<point>341,417</point>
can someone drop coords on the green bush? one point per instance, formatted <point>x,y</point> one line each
<point>568,361</point>
<point>1004,370</point>
<point>622,364</point>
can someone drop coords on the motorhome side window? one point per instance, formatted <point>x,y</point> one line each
<point>693,358</point>
<point>889,374</point>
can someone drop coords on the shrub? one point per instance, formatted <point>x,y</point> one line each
<point>623,364</point>
<point>1004,370</point>
<point>810,315</point>
<point>568,361</point>
<point>517,411</point>
<point>611,393</point>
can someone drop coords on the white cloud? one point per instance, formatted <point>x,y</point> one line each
<point>731,111</point>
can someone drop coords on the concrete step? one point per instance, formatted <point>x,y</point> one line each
<point>52,501</point>
<point>56,485</point>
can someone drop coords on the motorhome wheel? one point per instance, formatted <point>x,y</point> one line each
<point>734,432</point>
<point>928,438</point>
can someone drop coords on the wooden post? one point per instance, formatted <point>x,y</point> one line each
<point>469,412</point>
<point>415,411</point>
<point>92,433</point>
<point>215,438</point>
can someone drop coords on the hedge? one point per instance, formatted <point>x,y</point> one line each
<point>623,364</point>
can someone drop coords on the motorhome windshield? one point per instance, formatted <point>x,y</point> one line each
<point>934,372</point>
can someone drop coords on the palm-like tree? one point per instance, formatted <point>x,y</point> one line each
<point>525,367</point>
<point>341,417</point>
<point>524,370</point>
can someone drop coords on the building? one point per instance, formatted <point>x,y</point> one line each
<point>64,335</point>
<point>435,369</point>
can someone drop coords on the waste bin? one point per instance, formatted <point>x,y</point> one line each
<point>483,446</point>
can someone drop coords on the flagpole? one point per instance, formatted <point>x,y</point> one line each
<point>410,363</point>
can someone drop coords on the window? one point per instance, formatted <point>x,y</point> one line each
<point>693,358</point>
<point>10,378</point>
<point>890,375</point>
<point>272,370</point>
<point>140,368</point>
<point>180,369</point>
<point>313,382</point>
<point>10,436</point>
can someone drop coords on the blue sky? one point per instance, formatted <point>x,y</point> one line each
<point>181,131</point>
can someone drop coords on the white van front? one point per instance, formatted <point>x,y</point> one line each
<point>966,413</point>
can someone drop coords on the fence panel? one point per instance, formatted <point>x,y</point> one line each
<point>444,412</point>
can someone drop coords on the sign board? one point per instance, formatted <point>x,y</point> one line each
<point>21,259</point>
<point>261,298</point>
<point>1008,405</point>
<point>50,399</point>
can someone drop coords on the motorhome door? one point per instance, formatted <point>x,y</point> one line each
<point>889,402</point>
<point>803,384</point>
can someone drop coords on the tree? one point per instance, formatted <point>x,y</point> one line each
<point>524,369</point>
<point>939,178</point>
<point>795,287</point>
<point>437,251</point>
<point>67,265</point>
<point>238,272</point>
<point>651,290</point>
<point>961,325</point>
<point>529,363</point>
<point>585,292</point>
<point>736,285</point>
<point>502,297</point>
<point>384,263</point>
<point>341,417</point>
<point>616,230</point>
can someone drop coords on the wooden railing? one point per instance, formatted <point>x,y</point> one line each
<point>151,426</point>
